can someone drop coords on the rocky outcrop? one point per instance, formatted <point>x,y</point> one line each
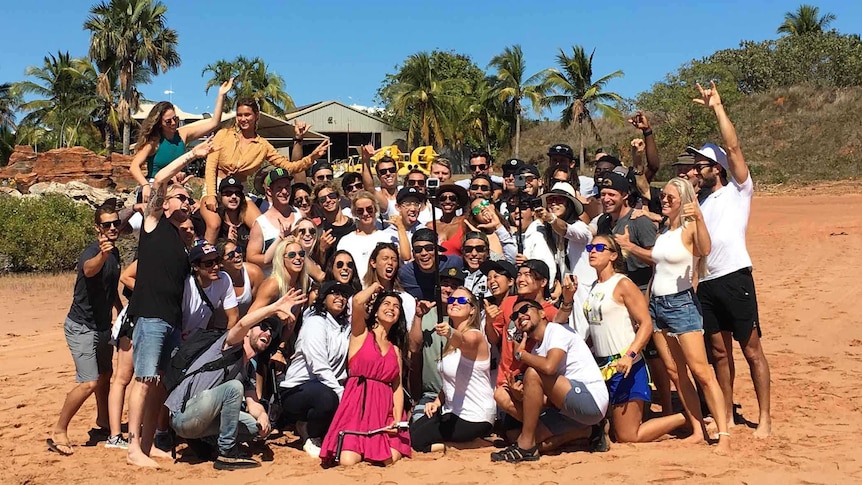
<point>79,192</point>
<point>63,165</point>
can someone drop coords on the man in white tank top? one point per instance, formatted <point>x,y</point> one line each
<point>726,292</point>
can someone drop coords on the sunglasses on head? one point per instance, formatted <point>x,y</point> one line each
<point>109,224</point>
<point>364,210</point>
<point>600,247</point>
<point>461,300</point>
<point>234,253</point>
<point>208,263</point>
<point>386,171</point>
<point>476,210</point>
<point>307,230</point>
<point>330,196</point>
<point>294,254</point>
<point>416,183</point>
<point>480,187</point>
<point>341,264</point>
<point>230,193</point>
<point>423,248</point>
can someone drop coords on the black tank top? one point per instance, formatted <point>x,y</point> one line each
<point>163,267</point>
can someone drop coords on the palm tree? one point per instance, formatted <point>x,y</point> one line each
<point>8,104</point>
<point>65,91</point>
<point>252,78</point>
<point>512,87</point>
<point>128,35</point>
<point>805,20</point>
<point>572,86</point>
<point>107,114</point>
<point>421,97</point>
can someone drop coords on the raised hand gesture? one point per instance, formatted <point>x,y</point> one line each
<point>640,121</point>
<point>326,240</point>
<point>570,286</point>
<point>639,145</point>
<point>320,150</point>
<point>300,128</point>
<point>285,304</point>
<point>692,210</point>
<point>423,307</point>
<point>708,97</point>
<point>367,151</point>
<point>204,148</point>
<point>225,87</point>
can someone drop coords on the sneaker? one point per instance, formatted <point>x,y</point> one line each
<point>117,442</point>
<point>312,447</point>
<point>163,441</point>
<point>599,438</point>
<point>234,459</point>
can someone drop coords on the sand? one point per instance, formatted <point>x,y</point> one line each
<point>805,248</point>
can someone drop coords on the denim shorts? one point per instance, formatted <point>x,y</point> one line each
<point>678,313</point>
<point>153,344</point>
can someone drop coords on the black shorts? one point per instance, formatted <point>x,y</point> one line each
<point>729,304</point>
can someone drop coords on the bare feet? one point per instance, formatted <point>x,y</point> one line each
<point>764,428</point>
<point>695,438</point>
<point>723,446</point>
<point>159,454</point>
<point>138,458</point>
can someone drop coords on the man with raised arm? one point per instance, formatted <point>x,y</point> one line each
<point>726,292</point>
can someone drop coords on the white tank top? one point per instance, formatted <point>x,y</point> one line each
<point>467,387</point>
<point>243,301</point>
<point>270,234</point>
<point>673,264</point>
<point>610,325</point>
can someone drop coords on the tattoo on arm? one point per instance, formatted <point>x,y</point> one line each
<point>157,200</point>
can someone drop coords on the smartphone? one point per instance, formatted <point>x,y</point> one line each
<point>520,182</point>
<point>536,203</point>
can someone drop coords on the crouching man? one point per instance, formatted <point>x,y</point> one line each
<point>560,367</point>
<point>208,398</point>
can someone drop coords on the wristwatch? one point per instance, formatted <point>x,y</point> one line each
<point>518,356</point>
<point>632,354</point>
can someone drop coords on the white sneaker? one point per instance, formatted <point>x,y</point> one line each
<point>117,442</point>
<point>312,447</point>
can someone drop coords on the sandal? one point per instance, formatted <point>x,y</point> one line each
<point>56,447</point>
<point>516,454</point>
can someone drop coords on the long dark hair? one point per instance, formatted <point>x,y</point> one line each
<point>371,273</point>
<point>319,308</point>
<point>152,126</point>
<point>397,335</point>
<point>330,270</point>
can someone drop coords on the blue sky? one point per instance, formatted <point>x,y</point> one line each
<point>342,49</point>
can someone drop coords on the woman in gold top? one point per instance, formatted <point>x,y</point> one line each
<point>240,152</point>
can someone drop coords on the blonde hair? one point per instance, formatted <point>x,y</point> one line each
<point>474,320</point>
<point>279,271</point>
<point>364,194</point>
<point>686,195</point>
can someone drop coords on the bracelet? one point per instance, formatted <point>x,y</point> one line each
<point>647,132</point>
<point>451,332</point>
<point>567,304</point>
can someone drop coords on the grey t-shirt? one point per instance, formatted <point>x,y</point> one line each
<point>642,232</point>
<point>432,351</point>
<point>208,380</point>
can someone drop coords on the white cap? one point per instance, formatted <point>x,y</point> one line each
<point>712,152</point>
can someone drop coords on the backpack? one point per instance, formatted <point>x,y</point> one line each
<point>189,352</point>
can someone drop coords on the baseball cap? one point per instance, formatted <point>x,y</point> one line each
<point>277,174</point>
<point>409,192</point>
<point>230,182</point>
<point>320,165</point>
<point>539,267</point>
<point>529,169</point>
<point>200,251</point>
<point>453,273</point>
<point>711,151</point>
<point>332,286</point>
<point>511,166</point>
<point>502,267</point>
<point>684,159</point>
<point>561,150</point>
<point>615,181</point>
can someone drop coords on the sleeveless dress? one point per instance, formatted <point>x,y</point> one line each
<point>453,244</point>
<point>367,405</point>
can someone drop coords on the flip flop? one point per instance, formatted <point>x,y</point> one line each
<point>56,447</point>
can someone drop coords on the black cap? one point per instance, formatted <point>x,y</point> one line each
<point>277,173</point>
<point>230,182</point>
<point>409,192</point>
<point>539,267</point>
<point>502,266</point>
<point>614,181</point>
<point>530,169</point>
<point>454,273</point>
<point>200,251</point>
<point>423,234</point>
<point>320,165</point>
<point>332,286</point>
<point>512,165</point>
<point>561,150</point>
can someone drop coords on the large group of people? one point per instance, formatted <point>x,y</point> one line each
<point>375,319</point>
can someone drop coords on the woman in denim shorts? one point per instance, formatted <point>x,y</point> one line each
<point>676,311</point>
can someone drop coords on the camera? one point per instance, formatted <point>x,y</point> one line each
<point>536,203</point>
<point>431,186</point>
<point>520,182</point>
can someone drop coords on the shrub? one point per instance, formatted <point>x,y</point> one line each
<point>43,233</point>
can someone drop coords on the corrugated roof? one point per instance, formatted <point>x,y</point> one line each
<point>304,110</point>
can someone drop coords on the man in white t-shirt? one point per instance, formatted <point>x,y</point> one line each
<point>481,163</point>
<point>560,367</point>
<point>726,292</point>
<point>219,303</point>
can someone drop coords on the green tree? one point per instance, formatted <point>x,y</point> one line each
<point>512,88</point>
<point>805,20</point>
<point>8,106</point>
<point>64,91</point>
<point>582,98</point>
<point>107,114</point>
<point>252,78</point>
<point>126,36</point>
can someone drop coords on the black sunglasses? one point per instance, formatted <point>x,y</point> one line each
<point>386,171</point>
<point>307,230</point>
<point>416,183</point>
<point>294,254</point>
<point>232,254</point>
<point>364,210</point>
<point>331,196</point>
<point>109,224</point>
<point>265,326</point>
<point>209,263</point>
<point>341,264</point>
<point>483,188</point>
<point>521,311</point>
<point>448,198</point>
<point>423,248</point>
<point>323,178</point>
<point>481,166</point>
<point>356,186</point>
<point>229,193</point>
<point>183,198</point>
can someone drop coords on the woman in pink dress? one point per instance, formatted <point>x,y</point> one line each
<point>373,397</point>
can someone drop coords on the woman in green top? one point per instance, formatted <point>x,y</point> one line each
<point>162,139</point>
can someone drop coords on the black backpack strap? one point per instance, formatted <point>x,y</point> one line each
<point>203,294</point>
<point>222,362</point>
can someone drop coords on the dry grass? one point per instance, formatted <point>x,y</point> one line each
<point>29,283</point>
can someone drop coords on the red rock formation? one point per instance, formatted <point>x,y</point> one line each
<point>67,164</point>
